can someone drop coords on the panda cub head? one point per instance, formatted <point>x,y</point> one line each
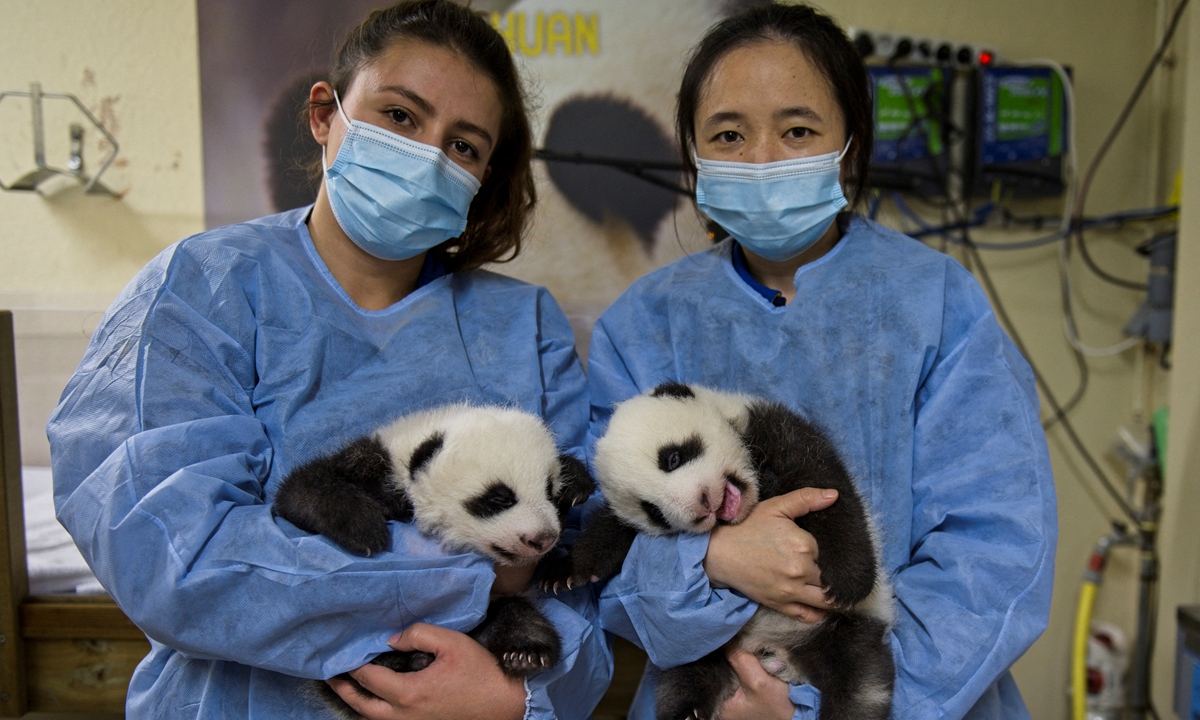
<point>480,478</point>
<point>673,460</point>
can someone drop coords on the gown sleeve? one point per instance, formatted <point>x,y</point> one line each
<point>159,468</point>
<point>573,688</point>
<point>661,601</point>
<point>975,593</point>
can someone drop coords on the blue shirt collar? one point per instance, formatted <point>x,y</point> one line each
<point>774,297</point>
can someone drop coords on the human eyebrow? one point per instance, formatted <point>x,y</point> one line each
<point>425,107</point>
<point>421,103</point>
<point>471,127</point>
<point>800,112</point>
<point>723,117</point>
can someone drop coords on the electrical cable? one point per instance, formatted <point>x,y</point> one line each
<point>1085,185</point>
<point>1117,219</point>
<point>970,250</point>
<point>1070,326</point>
<point>638,168</point>
<point>1108,485</point>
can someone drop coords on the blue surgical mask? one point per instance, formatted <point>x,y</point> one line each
<point>776,210</point>
<point>394,197</point>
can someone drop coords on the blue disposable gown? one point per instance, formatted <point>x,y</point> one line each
<point>233,357</point>
<point>893,348</point>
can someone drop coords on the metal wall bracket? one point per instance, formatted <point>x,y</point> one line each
<point>39,177</point>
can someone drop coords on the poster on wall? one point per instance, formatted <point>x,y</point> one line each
<point>602,77</point>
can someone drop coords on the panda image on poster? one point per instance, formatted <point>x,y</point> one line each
<point>483,479</point>
<point>682,459</point>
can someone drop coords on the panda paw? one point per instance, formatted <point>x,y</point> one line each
<point>845,589</point>
<point>576,483</point>
<point>530,662</point>
<point>559,574</point>
<point>365,535</point>
<point>689,714</point>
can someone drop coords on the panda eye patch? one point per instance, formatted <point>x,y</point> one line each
<point>497,498</point>
<point>655,514</point>
<point>672,457</point>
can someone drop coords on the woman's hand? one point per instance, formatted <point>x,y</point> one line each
<point>512,580</point>
<point>761,696</point>
<point>464,681</point>
<point>769,559</point>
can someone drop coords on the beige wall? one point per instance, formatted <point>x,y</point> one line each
<point>133,63</point>
<point>136,59</point>
<point>1179,539</point>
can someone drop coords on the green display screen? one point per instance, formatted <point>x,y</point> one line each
<point>894,108</point>
<point>1029,107</point>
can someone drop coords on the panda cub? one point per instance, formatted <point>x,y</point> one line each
<point>482,479</point>
<point>685,458</point>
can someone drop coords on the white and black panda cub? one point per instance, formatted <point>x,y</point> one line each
<point>478,478</point>
<point>684,458</point>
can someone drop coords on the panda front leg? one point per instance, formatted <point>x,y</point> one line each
<point>597,555</point>
<point>523,640</point>
<point>696,691</point>
<point>348,497</point>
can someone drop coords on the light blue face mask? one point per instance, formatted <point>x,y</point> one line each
<point>394,197</point>
<point>776,210</point>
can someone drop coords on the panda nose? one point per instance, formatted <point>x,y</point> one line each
<point>540,543</point>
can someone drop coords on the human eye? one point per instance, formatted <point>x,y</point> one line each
<point>798,133</point>
<point>727,137</point>
<point>399,116</point>
<point>464,148</point>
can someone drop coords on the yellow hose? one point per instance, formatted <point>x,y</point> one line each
<point>1083,624</point>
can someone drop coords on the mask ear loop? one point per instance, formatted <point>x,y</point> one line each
<point>839,157</point>
<point>336,99</point>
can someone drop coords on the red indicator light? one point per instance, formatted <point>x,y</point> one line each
<point>985,58</point>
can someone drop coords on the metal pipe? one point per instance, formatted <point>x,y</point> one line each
<point>39,133</point>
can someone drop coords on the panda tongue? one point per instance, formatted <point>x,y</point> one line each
<point>731,503</point>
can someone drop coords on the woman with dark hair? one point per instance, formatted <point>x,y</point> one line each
<point>242,352</point>
<point>885,343</point>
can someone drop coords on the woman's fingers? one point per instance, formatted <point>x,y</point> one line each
<point>760,695</point>
<point>802,612</point>
<point>801,502</point>
<point>748,669</point>
<point>422,637</point>
<point>365,705</point>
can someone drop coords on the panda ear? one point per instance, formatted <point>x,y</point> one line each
<point>424,453</point>
<point>575,484</point>
<point>673,389</point>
